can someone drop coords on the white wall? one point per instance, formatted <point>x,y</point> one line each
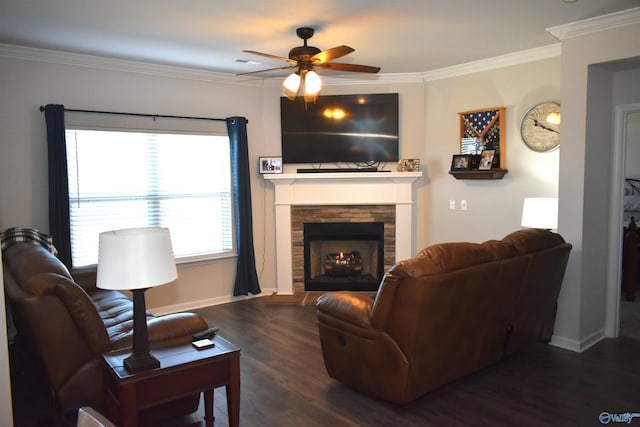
<point>494,206</point>
<point>585,176</point>
<point>27,84</point>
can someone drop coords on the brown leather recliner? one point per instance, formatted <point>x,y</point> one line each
<point>452,310</point>
<point>71,325</point>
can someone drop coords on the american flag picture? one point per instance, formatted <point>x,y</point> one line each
<point>481,131</point>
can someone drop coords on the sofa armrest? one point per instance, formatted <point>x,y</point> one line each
<point>162,328</point>
<point>347,306</point>
<point>86,278</point>
<point>170,326</point>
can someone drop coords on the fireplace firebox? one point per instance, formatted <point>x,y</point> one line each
<point>343,256</point>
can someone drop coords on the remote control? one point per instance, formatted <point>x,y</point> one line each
<point>203,344</point>
<point>206,334</point>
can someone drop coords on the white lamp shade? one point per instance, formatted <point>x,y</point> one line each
<point>135,258</point>
<point>312,83</point>
<point>292,83</point>
<point>540,212</point>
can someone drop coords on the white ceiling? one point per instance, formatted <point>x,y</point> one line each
<point>400,36</point>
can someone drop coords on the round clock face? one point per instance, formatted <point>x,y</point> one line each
<point>540,128</point>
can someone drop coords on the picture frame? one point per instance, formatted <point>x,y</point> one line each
<point>270,165</point>
<point>484,129</point>
<point>486,160</point>
<point>461,162</point>
<point>408,165</point>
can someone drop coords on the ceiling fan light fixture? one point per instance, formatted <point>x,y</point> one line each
<point>292,83</point>
<point>312,83</point>
<point>290,95</point>
<point>305,58</point>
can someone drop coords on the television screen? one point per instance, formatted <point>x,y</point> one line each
<point>340,128</point>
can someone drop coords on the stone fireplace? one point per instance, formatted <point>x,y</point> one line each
<point>342,255</point>
<point>348,197</point>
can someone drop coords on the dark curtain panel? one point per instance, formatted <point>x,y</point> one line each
<point>246,276</point>
<point>59,223</point>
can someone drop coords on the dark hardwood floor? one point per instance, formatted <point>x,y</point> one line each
<point>284,382</point>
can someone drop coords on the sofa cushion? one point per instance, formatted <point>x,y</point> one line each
<point>26,260</point>
<point>532,240</point>
<point>84,314</point>
<point>116,311</point>
<point>42,284</point>
<point>452,256</point>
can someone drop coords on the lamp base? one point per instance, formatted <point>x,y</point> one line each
<point>136,363</point>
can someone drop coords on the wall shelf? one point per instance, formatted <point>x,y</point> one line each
<point>480,131</point>
<point>476,174</point>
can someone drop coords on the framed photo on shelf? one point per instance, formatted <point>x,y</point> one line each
<point>461,162</point>
<point>270,164</point>
<point>486,160</point>
<point>408,165</point>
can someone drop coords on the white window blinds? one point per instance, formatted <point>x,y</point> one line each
<point>130,178</point>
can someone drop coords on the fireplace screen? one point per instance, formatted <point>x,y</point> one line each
<point>343,256</point>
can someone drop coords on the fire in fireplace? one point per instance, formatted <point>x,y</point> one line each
<point>343,256</point>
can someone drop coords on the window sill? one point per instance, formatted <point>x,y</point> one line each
<point>205,259</point>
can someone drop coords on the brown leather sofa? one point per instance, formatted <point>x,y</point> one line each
<point>71,324</point>
<point>452,310</point>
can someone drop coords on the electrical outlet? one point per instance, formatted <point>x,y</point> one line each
<point>463,205</point>
<point>452,205</point>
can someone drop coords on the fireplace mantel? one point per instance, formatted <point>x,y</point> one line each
<point>339,188</point>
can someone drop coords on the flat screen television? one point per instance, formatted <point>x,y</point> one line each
<point>340,128</point>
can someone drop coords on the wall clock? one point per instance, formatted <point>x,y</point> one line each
<point>540,127</point>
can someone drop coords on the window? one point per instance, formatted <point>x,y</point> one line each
<point>123,178</point>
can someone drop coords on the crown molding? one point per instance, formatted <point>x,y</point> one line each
<point>126,65</point>
<point>362,79</point>
<point>522,57</point>
<point>599,23</point>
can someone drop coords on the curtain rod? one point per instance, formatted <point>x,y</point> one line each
<point>154,116</point>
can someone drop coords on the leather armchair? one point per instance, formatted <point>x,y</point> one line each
<point>72,323</point>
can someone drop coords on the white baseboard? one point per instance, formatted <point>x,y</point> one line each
<point>575,345</point>
<point>194,305</point>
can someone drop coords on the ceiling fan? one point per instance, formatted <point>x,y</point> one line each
<point>305,59</point>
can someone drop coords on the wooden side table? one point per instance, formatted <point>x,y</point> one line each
<point>183,371</point>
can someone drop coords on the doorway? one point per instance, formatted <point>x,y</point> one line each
<point>626,146</point>
<point>629,309</point>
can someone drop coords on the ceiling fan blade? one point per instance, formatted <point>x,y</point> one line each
<point>266,55</point>
<point>336,66</point>
<point>331,54</point>
<point>288,67</point>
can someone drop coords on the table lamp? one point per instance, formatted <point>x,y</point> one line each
<point>540,212</point>
<point>136,259</point>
